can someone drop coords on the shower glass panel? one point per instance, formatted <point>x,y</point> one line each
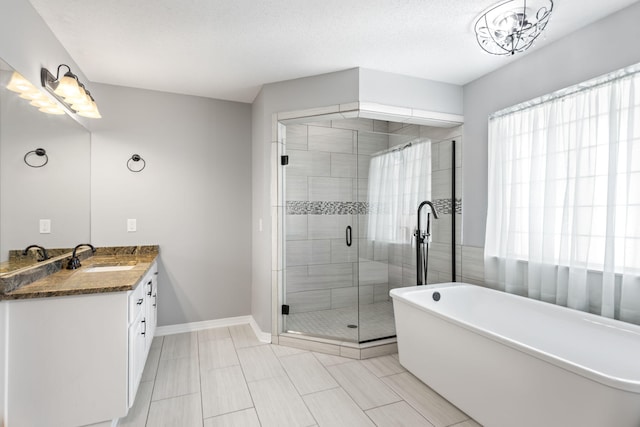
<point>321,242</point>
<point>352,189</point>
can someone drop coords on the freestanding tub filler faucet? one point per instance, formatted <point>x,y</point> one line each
<point>422,241</point>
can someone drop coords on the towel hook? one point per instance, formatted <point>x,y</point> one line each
<point>135,159</point>
<point>40,152</point>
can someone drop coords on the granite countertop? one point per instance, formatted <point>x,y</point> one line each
<point>80,281</point>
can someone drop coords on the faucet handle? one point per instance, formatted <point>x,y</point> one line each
<point>74,263</point>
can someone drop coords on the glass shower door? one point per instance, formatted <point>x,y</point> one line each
<point>321,237</point>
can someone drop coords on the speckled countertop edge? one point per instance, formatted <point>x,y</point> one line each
<point>79,282</point>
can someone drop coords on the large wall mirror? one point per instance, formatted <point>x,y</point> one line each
<point>58,191</point>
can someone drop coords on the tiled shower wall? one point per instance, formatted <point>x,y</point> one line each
<point>326,190</point>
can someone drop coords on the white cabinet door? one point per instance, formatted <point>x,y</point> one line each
<point>137,354</point>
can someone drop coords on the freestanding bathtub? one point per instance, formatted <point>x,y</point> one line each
<point>512,361</point>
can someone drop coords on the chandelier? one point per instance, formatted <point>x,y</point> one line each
<point>512,26</point>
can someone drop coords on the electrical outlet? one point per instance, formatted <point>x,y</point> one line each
<point>131,225</point>
<point>45,226</point>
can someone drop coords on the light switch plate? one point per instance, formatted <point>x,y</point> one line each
<point>131,225</point>
<point>45,226</point>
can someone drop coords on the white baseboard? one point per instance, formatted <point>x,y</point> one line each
<point>216,323</point>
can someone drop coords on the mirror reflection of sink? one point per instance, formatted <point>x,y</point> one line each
<point>104,268</point>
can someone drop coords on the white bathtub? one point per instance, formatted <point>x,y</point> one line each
<point>512,361</point>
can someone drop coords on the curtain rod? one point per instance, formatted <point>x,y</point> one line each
<point>571,90</point>
<point>418,140</point>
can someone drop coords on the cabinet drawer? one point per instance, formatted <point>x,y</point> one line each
<point>136,302</point>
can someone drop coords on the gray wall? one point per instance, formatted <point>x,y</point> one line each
<point>193,198</point>
<point>317,91</point>
<point>604,46</point>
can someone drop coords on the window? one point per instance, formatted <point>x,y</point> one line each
<point>564,196</point>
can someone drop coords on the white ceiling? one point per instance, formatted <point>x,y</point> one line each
<point>227,49</point>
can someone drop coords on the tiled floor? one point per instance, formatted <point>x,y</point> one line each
<point>375,321</point>
<point>226,377</point>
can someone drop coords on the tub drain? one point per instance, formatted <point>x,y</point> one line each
<point>352,326</point>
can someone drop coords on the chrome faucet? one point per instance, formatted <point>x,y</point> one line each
<point>41,250</point>
<point>421,268</point>
<point>74,261</point>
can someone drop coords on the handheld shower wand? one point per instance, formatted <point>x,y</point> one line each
<point>421,266</point>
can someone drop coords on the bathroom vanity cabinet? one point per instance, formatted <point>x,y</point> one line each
<point>142,324</point>
<point>75,360</point>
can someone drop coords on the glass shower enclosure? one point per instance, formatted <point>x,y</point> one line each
<point>351,191</point>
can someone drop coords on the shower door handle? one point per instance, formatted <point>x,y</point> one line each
<point>348,235</point>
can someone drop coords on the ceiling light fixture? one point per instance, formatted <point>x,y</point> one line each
<point>512,26</point>
<point>68,90</point>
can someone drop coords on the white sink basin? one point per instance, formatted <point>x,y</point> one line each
<point>108,268</point>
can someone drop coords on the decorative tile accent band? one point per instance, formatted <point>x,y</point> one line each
<point>302,207</point>
<point>443,206</point>
<point>327,208</point>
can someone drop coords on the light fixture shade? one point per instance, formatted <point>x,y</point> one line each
<point>19,84</point>
<point>81,99</point>
<point>69,92</point>
<point>43,102</point>
<point>52,109</point>
<point>512,26</point>
<point>93,113</point>
<point>32,95</point>
<point>68,87</point>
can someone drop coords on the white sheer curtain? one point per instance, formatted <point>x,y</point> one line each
<point>398,181</point>
<point>563,213</point>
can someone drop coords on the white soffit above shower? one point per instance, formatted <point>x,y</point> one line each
<point>227,49</point>
<point>370,110</point>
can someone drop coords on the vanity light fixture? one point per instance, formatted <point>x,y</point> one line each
<point>68,90</point>
<point>512,26</point>
<point>31,93</point>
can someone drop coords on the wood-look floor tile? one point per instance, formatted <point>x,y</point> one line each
<point>278,404</point>
<point>427,402</point>
<point>259,363</point>
<point>179,345</point>
<point>398,414</point>
<point>224,390</point>
<point>307,374</point>
<point>335,408</point>
<point>137,416</point>
<point>283,351</point>
<point>216,354</point>
<point>383,366</point>
<point>183,411</point>
<point>330,359</point>
<point>151,366</point>
<point>246,418</point>
<point>243,336</point>
<point>365,388</point>
<point>176,377</point>
<point>468,423</point>
<point>157,342</point>
<point>213,334</point>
